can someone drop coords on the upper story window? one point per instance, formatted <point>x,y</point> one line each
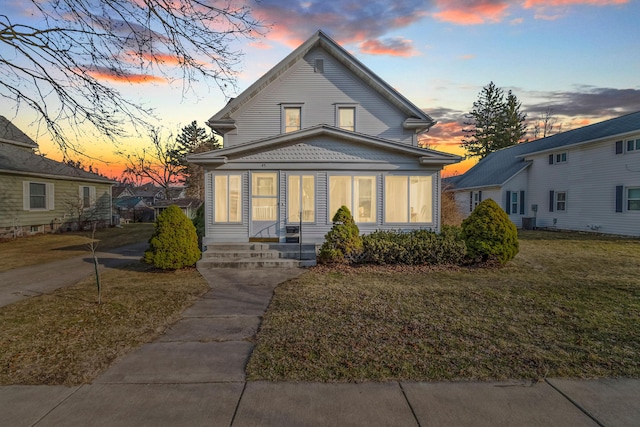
<point>291,118</point>
<point>633,145</point>
<point>347,118</point>
<point>558,158</point>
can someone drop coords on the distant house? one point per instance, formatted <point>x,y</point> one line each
<point>188,206</point>
<point>42,195</point>
<point>318,131</point>
<point>586,179</point>
<point>132,209</point>
<point>149,193</point>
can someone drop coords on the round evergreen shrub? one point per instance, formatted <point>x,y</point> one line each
<point>489,234</point>
<point>174,243</point>
<point>343,242</point>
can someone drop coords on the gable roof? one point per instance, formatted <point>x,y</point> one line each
<point>500,166</point>
<point>271,143</point>
<point>17,157</point>
<point>11,134</point>
<point>223,122</point>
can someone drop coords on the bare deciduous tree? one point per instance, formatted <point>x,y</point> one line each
<point>159,162</point>
<point>58,56</point>
<point>545,125</point>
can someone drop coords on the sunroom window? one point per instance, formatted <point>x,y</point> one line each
<point>358,193</point>
<point>408,199</point>
<point>228,200</point>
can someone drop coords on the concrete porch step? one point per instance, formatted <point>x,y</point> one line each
<point>219,253</point>
<point>253,263</point>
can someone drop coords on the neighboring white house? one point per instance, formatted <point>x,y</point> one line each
<point>318,131</point>
<point>586,179</point>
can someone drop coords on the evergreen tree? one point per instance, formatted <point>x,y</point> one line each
<point>495,122</point>
<point>194,139</point>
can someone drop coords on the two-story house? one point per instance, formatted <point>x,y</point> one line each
<point>318,131</point>
<point>585,179</point>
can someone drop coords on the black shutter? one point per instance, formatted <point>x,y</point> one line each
<point>618,147</point>
<point>550,159</point>
<point>480,196</point>
<point>521,202</point>
<point>507,206</point>
<point>551,199</point>
<point>470,201</point>
<point>619,197</point>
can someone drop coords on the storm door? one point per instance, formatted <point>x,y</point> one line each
<point>264,206</point>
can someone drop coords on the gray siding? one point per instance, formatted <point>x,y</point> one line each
<point>319,92</point>
<point>589,177</point>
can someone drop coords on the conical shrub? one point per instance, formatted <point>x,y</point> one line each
<point>343,242</point>
<point>174,243</point>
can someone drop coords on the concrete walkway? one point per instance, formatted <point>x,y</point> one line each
<point>194,375</point>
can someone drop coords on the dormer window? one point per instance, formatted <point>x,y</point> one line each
<point>346,117</point>
<point>291,118</point>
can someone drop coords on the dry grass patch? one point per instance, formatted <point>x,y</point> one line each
<point>67,338</point>
<point>44,248</point>
<point>567,306</point>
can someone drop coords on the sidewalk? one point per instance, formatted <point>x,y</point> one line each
<point>194,375</point>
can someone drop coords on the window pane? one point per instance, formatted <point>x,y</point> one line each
<point>364,188</point>
<point>630,145</point>
<point>294,199</point>
<point>264,209</point>
<point>86,197</point>
<point>264,184</point>
<point>633,205</point>
<point>346,118</point>
<point>308,199</point>
<point>37,195</point>
<point>633,193</point>
<point>339,194</point>
<point>291,119</point>
<point>396,199</point>
<point>235,198</point>
<point>637,144</point>
<point>420,199</point>
<point>221,198</point>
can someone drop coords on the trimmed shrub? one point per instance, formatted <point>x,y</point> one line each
<point>198,223</point>
<point>174,243</point>
<point>489,234</point>
<point>343,242</point>
<point>417,247</point>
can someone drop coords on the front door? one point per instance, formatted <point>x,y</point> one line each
<point>264,206</point>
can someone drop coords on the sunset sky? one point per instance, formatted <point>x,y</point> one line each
<point>579,57</point>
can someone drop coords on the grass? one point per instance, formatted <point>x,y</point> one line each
<point>41,248</point>
<point>67,338</point>
<point>567,306</point>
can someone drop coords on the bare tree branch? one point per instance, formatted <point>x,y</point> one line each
<point>59,62</point>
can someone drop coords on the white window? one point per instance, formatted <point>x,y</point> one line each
<point>87,196</point>
<point>291,118</point>
<point>37,196</point>
<point>302,198</point>
<point>227,199</point>
<point>633,145</point>
<point>408,199</point>
<point>514,202</point>
<point>561,201</point>
<point>358,193</point>
<point>347,118</point>
<point>633,199</point>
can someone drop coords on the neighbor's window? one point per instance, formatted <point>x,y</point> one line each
<point>228,200</point>
<point>358,193</point>
<point>347,118</point>
<point>561,157</point>
<point>633,144</point>
<point>514,202</point>
<point>37,195</point>
<point>301,192</point>
<point>87,196</point>
<point>633,199</point>
<point>561,201</point>
<point>408,199</point>
<point>292,119</point>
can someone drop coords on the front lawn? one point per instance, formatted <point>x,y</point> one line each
<point>567,306</point>
<point>67,338</point>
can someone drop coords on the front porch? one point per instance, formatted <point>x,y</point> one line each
<point>258,255</point>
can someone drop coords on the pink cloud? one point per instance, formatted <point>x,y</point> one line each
<point>107,74</point>
<point>555,3</point>
<point>471,13</point>
<point>396,46</point>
